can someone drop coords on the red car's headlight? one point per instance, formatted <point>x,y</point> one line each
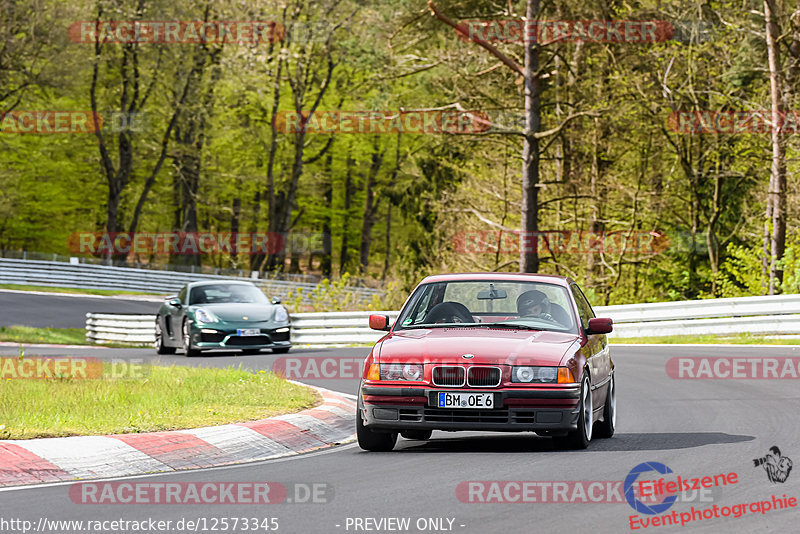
<point>412,372</point>
<point>541,375</point>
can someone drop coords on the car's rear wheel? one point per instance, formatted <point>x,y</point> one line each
<point>373,441</point>
<point>420,435</point>
<point>188,350</point>
<point>606,427</point>
<point>159,343</point>
<point>581,436</point>
<point>281,350</point>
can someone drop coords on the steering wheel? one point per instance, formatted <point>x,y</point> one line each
<point>449,312</point>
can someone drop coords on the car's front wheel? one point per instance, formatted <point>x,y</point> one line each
<point>581,436</point>
<point>373,441</point>
<point>605,428</point>
<point>159,343</point>
<point>188,350</point>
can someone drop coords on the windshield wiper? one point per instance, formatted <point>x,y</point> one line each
<point>512,325</point>
<point>441,325</point>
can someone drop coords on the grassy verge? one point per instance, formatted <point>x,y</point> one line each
<point>169,398</point>
<point>741,339</point>
<point>29,334</point>
<point>73,290</point>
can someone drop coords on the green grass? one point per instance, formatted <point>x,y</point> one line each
<point>29,334</point>
<point>73,290</point>
<point>169,398</point>
<point>741,339</point>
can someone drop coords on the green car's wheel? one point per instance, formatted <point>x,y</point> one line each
<point>159,343</point>
<point>187,341</point>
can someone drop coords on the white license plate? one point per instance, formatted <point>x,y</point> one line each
<point>457,399</point>
<point>248,332</point>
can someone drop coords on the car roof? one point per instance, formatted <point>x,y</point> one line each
<point>505,277</point>
<point>216,282</point>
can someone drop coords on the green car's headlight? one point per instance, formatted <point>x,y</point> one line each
<point>281,315</point>
<point>204,316</point>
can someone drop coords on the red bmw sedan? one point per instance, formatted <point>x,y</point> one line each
<point>489,351</point>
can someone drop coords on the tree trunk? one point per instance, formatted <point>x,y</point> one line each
<point>529,255</point>
<point>370,207</point>
<point>777,182</point>
<point>344,256</point>
<point>326,260</point>
<point>236,210</point>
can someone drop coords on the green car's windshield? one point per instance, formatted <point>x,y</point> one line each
<point>489,304</point>
<point>226,293</point>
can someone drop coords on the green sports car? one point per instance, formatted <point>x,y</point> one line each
<point>221,315</point>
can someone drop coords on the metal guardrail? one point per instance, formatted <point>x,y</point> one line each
<point>335,328</point>
<point>130,329</point>
<point>90,276</point>
<point>776,315</point>
<point>702,309</point>
<point>173,267</point>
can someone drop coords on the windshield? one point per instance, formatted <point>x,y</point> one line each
<point>489,304</point>
<point>226,293</point>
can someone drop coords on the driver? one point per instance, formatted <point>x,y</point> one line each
<point>534,304</point>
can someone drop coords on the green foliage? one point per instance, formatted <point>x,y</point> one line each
<point>740,273</point>
<point>618,167</point>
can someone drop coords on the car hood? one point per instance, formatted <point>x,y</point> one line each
<point>489,346</point>
<point>236,312</point>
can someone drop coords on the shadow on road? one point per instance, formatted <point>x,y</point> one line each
<point>665,441</point>
<point>527,443</point>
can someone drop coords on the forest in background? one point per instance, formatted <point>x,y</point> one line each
<point>206,154</point>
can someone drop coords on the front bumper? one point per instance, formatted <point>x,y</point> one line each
<point>543,410</point>
<point>203,338</point>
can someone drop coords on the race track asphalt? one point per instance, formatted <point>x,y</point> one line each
<point>695,427</point>
<point>62,311</point>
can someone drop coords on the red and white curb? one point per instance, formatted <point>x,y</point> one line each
<point>86,457</point>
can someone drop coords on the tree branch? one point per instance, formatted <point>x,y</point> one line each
<point>461,29</point>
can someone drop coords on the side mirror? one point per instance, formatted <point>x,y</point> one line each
<point>276,300</point>
<point>599,325</point>
<point>379,322</point>
<point>174,301</point>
